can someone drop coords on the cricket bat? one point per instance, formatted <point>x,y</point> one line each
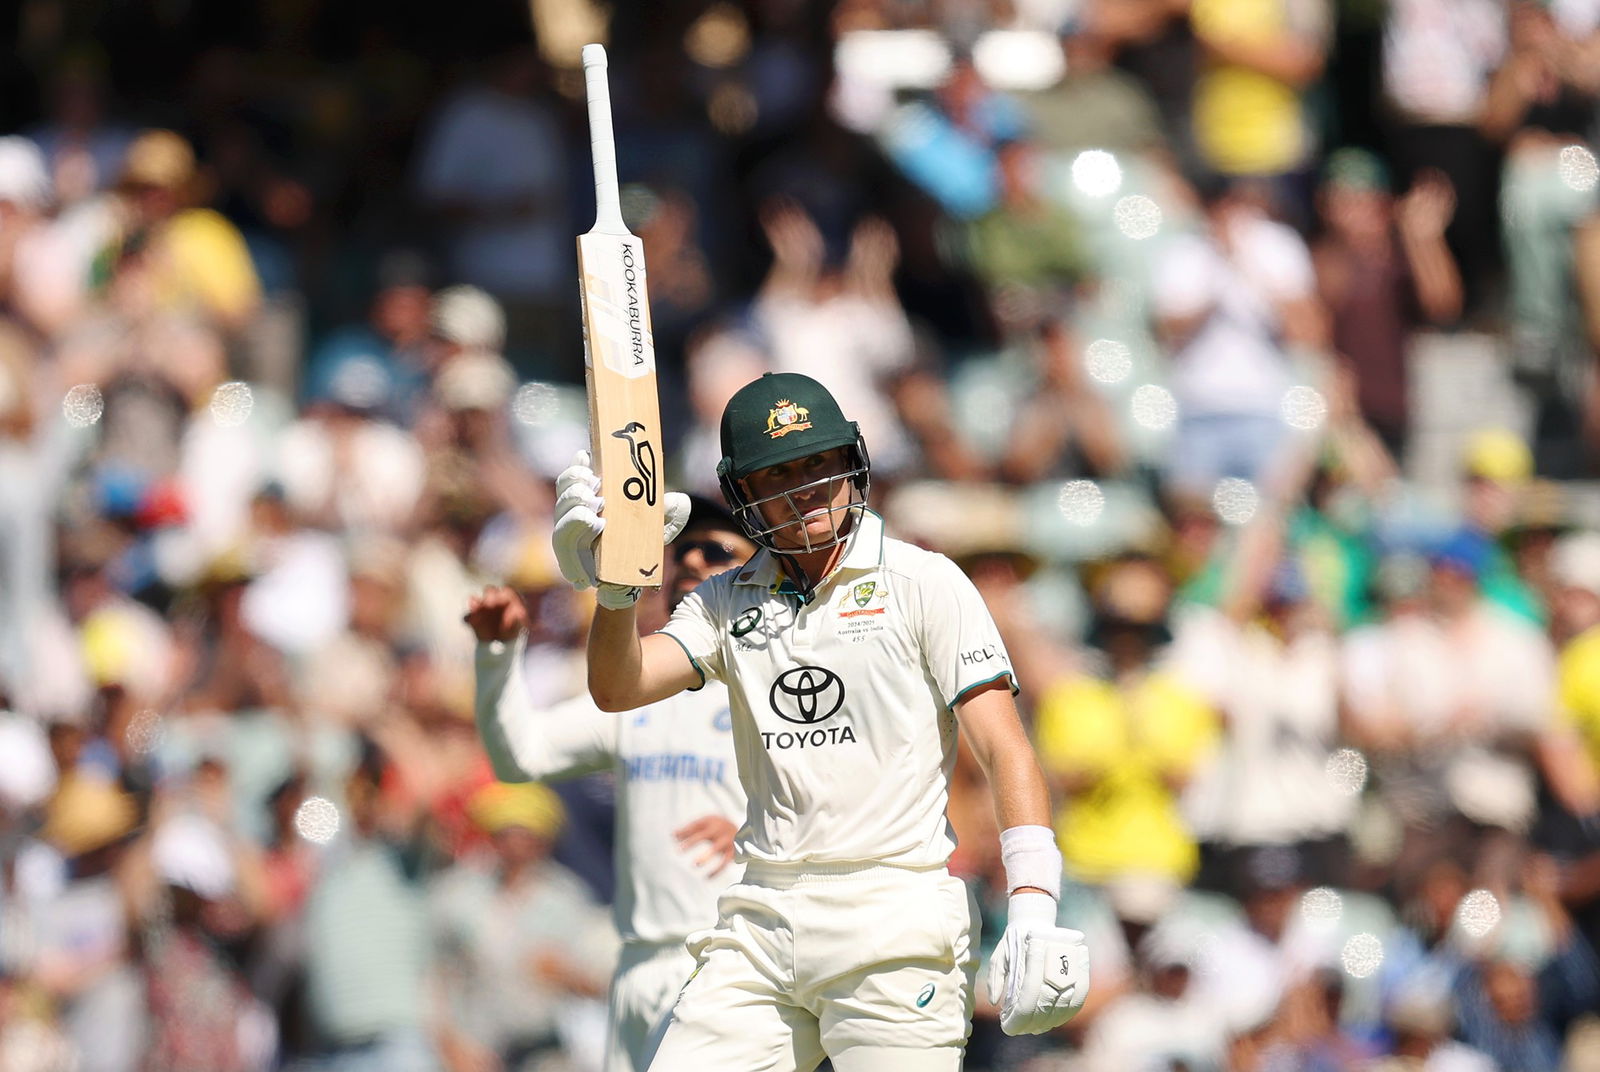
<point>619,359</point>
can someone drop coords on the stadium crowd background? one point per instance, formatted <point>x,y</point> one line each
<point>1241,350</point>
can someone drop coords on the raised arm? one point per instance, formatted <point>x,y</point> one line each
<point>627,670</point>
<point>524,742</point>
<point>1424,214</point>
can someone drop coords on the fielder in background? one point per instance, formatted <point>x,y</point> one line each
<point>678,797</point>
<point>850,660</point>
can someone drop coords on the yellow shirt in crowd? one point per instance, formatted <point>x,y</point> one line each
<point>1132,745</point>
<point>1578,682</point>
<point>205,262</point>
<point>1246,122</point>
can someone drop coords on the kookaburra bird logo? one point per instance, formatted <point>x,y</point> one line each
<point>643,455</point>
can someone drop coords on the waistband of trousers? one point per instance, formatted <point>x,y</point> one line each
<point>787,876</point>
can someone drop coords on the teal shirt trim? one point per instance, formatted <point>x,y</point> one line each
<point>980,684</point>
<point>692,661</point>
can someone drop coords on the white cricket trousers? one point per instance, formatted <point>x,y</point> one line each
<point>870,966</point>
<point>646,983</point>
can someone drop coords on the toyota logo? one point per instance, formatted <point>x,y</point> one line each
<point>806,694</point>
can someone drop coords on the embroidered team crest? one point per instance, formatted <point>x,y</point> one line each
<point>787,417</point>
<point>862,600</point>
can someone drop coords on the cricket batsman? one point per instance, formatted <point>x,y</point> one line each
<point>678,796</point>
<point>850,661</point>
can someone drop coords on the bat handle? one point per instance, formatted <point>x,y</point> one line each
<point>602,143</point>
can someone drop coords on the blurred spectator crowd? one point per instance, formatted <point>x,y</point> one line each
<point>1242,351</point>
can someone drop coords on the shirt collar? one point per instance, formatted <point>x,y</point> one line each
<point>864,552</point>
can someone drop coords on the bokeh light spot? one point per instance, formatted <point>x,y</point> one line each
<point>1303,408</point>
<point>1137,217</point>
<point>1108,360</point>
<point>1478,913</point>
<point>1362,955</point>
<point>231,404</point>
<point>1153,407</point>
<point>83,405</point>
<point>534,403</point>
<point>1322,904</point>
<point>1081,501</point>
<point>144,732</point>
<point>1235,500</point>
<point>1096,173</point>
<point>1578,168</point>
<point>317,820</point>
<point>1347,771</point>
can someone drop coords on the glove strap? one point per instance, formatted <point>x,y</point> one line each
<point>1031,859</point>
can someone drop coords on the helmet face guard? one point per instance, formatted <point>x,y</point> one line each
<point>748,512</point>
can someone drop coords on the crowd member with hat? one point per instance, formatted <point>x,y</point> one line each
<point>1496,471</point>
<point>517,940</point>
<point>468,434</point>
<point>191,259</point>
<point>396,333</point>
<point>344,463</point>
<point>850,660</point>
<point>84,955</point>
<point>1383,270</point>
<point>1449,692</point>
<point>678,797</point>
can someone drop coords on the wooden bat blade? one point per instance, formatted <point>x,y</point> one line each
<point>624,412</point>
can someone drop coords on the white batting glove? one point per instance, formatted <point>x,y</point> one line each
<point>578,524</point>
<point>1039,974</point>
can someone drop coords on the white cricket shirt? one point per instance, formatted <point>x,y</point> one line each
<point>674,764</point>
<point>843,703</point>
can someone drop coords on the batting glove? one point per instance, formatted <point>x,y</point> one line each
<point>578,524</point>
<point>1039,974</point>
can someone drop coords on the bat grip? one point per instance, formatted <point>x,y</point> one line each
<point>602,143</point>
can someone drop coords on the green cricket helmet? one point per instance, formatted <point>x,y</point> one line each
<point>784,417</point>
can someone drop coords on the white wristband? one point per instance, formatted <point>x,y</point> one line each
<point>1031,859</point>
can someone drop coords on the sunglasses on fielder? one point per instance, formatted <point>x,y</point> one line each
<point>713,552</point>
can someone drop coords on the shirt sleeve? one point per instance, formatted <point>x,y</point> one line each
<point>696,626</point>
<point>961,645</point>
<point>528,744</point>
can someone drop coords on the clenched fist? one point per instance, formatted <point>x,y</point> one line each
<point>497,614</point>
